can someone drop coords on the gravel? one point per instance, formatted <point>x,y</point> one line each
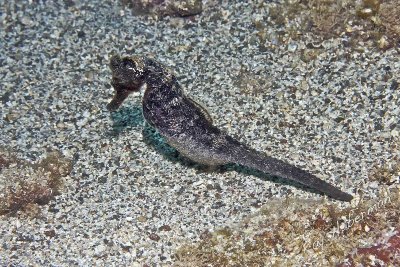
<point>129,199</point>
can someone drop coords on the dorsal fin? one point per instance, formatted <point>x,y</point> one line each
<point>202,109</point>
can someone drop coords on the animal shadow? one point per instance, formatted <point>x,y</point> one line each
<point>131,117</point>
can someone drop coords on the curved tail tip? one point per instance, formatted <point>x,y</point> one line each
<point>342,196</point>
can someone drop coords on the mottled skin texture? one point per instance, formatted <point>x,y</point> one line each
<point>187,126</point>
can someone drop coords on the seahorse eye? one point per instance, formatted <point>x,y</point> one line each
<point>129,64</point>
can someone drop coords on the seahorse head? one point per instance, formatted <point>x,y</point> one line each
<point>128,72</point>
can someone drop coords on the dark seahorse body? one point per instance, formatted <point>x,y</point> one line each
<point>187,126</point>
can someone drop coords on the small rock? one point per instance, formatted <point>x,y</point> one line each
<point>165,228</point>
<point>154,237</point>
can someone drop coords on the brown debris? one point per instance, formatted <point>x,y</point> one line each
<point>181,8</point>
<point>28,185</point>
<point>384,254</point>
<point>305,232</point>
<point>370,23</point>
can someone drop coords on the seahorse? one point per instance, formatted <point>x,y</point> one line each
<point>187,126</point>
